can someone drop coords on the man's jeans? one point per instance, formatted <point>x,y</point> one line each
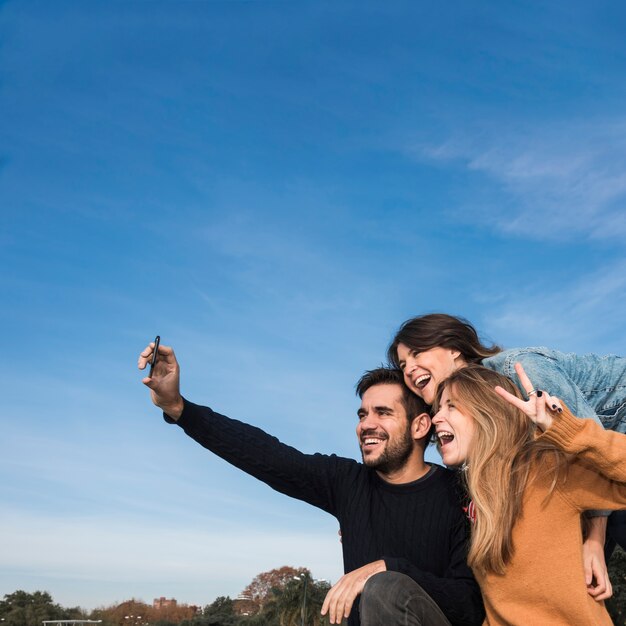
<point>391,598</point>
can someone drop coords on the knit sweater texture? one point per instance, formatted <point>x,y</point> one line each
<point>544,583</point>
<point>418,529</point>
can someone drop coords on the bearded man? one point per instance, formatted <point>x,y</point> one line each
<point>403,531</point>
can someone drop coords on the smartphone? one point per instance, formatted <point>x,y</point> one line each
<point>157,341</point>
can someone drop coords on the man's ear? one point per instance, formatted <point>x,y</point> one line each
<point>420,426</point>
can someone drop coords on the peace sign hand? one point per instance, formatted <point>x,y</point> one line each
<point>539,407</point>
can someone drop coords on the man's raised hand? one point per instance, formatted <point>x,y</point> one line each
<point>164,383</point>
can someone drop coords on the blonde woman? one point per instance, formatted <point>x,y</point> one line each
<point>530,471</point>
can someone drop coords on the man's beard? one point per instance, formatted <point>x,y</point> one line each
<point>395,456</point>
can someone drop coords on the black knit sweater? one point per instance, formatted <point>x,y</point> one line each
<point>418,528</point>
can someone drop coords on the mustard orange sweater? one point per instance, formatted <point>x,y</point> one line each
<point>544,583</point>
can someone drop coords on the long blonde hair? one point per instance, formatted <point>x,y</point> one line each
<point>502,453</point>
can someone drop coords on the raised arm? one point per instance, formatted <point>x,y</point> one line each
<point>547,374</point>
<point>604,449</point>
<point>542,408</point>
<point>307,477</point>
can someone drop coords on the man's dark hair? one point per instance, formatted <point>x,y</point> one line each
<point>413,405</point>
<point>439,330</point>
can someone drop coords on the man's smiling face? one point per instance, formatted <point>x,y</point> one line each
<point>383,430</point>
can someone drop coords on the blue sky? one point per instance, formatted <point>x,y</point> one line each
<point>273,187</point>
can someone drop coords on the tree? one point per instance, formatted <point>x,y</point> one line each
<point>259,591</point>
<point>319,589</point>
<point>21,608</point>
<point>292,603</point>
<point>137,613</point>
<point>284,605</point>
<point>127,613</point>
<point>220,612</point>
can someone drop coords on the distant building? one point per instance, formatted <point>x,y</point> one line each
<point>162,603</point>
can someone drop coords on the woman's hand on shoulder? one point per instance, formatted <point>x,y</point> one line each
<point>540,406</point>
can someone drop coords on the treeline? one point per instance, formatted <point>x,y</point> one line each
<point>274,598</point>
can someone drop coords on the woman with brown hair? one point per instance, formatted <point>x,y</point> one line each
<point>530,471</point>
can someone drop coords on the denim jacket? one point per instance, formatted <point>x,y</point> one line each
<point>590,385</point>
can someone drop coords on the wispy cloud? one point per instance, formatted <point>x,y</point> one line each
<point>561,179</point>
<point>586,316</point>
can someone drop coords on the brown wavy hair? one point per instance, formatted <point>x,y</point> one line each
<point>440,330</point>
<point>502,456</point>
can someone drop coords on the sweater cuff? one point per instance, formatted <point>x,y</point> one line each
<point>181,420</point>
<point>565,427</point>
<point>392,564</point>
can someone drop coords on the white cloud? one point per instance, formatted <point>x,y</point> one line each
<point>563,178</point>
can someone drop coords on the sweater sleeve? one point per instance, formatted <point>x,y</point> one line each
<point>456,592</point>
<point>597,476</point>
<point>307,477</point>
